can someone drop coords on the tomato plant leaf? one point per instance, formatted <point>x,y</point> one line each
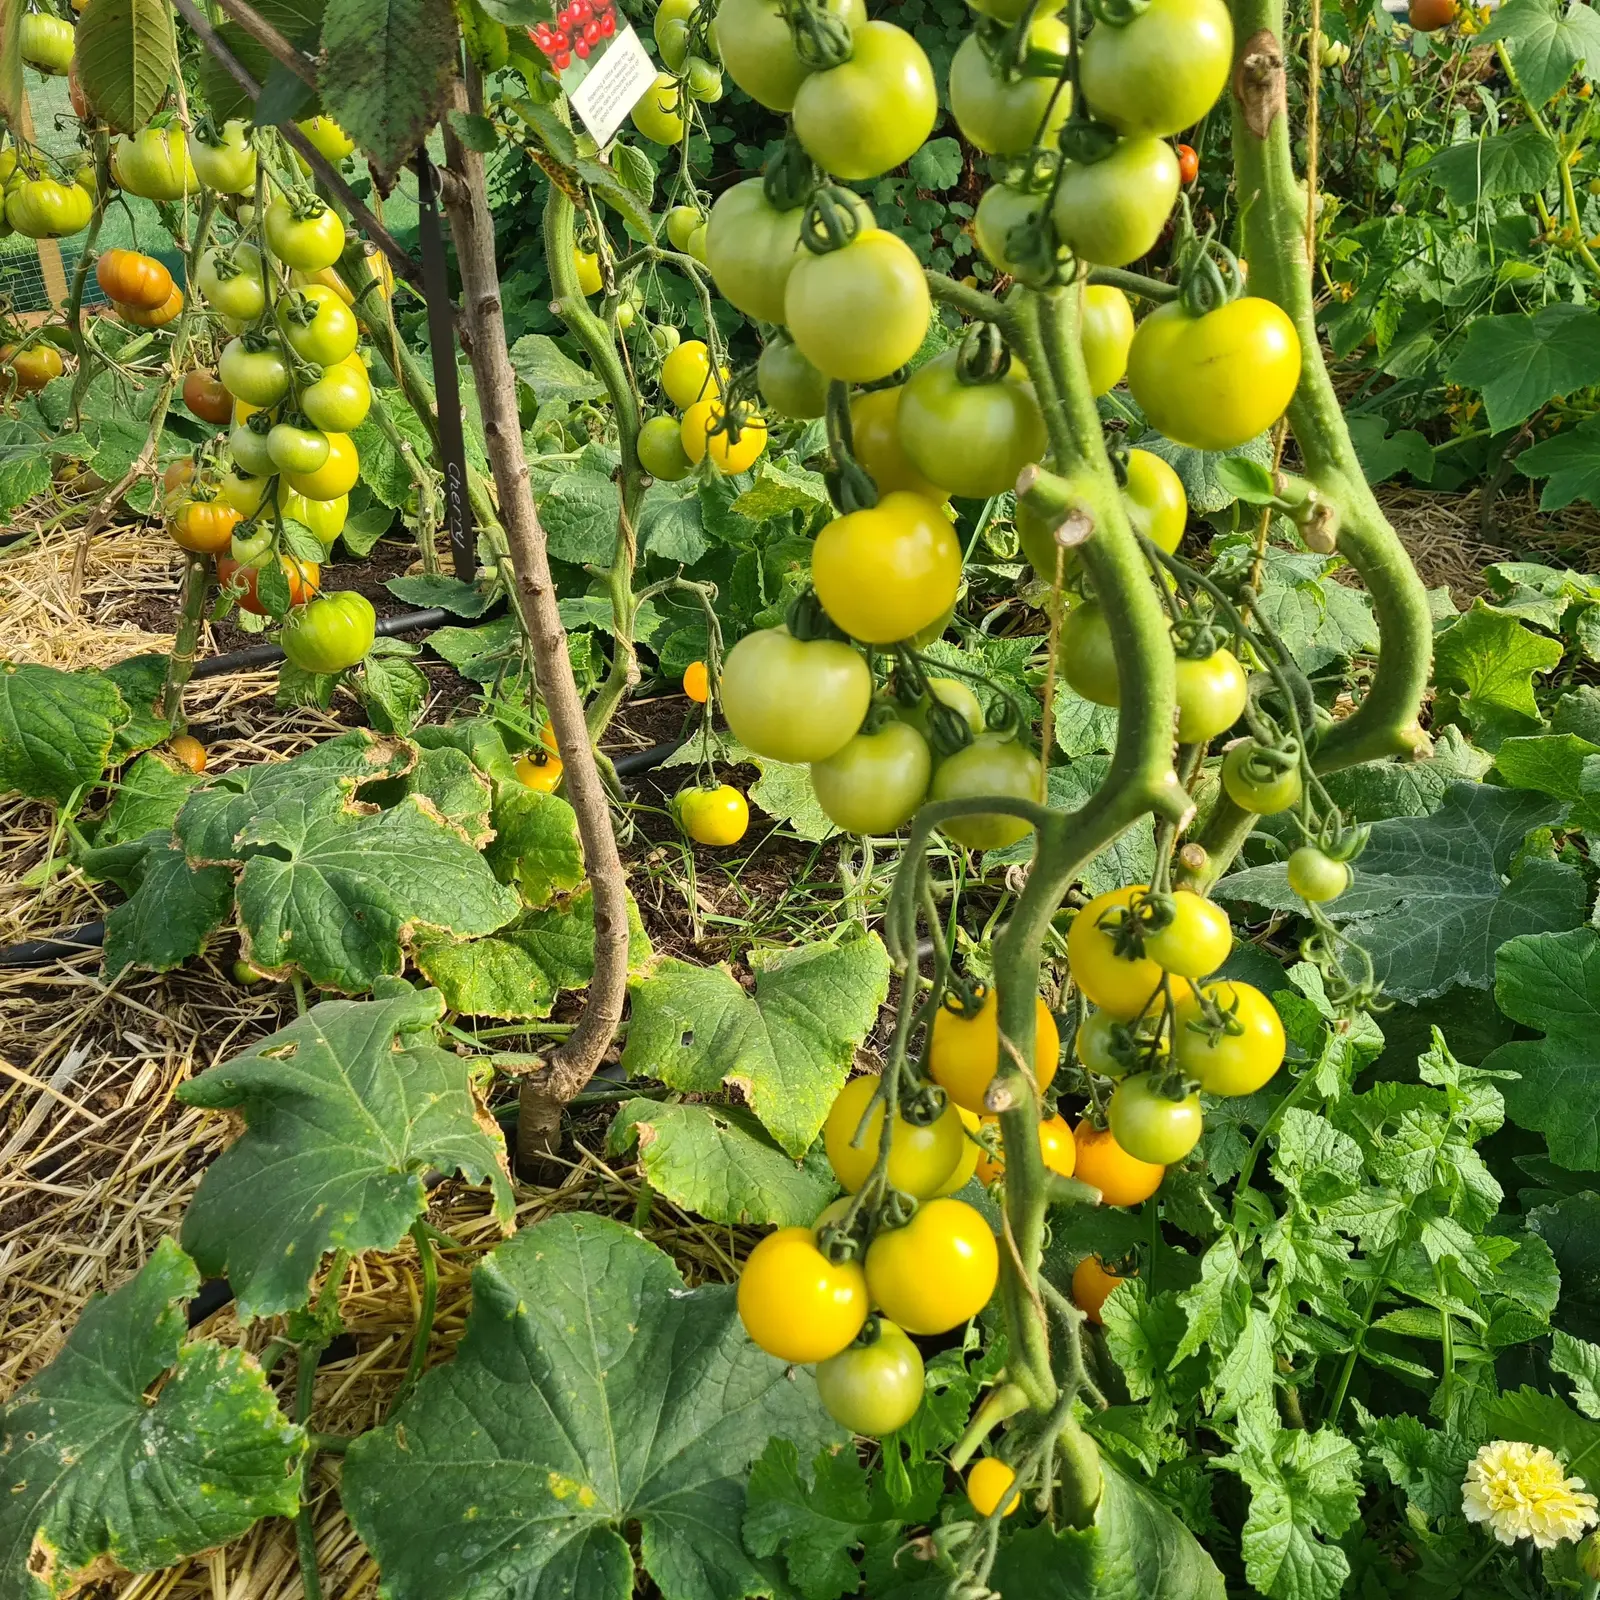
<point>96,1471</point>
<point>720,1162</point>
<point>779,490</point>
<point>518,971</point>
<point>393,692</point>
<point>1492,166</point>
<point>1488,661</point>
<point>787,1049</point>
<point>1551,982</point>
<point>1546,44</point>
<point>126,56</point>
<point>171,910</point>
<point>344,1112</point>
<point>536,843</point>
<point>299,21</point>
<point>520,1466</point>
<point>56,730</point>
<point>1521,362</point>
<point>1135,1546</point>
<point>1431,900</point>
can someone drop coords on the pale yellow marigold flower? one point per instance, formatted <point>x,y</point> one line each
<point>1521,1492</point>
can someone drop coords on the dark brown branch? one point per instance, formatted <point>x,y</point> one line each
<point>270,40</point>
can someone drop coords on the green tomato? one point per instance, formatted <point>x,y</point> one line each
<point>1258,785</point>
<point>248,447</point>
<point>681,223</point>
<point>1149,1126</point>
<point>791,699</point>
<point>876,782</point>
<point>327,138</point>
<point>1087,660</point>
<point>254,372</point>
<point>861,118</point>
<point>971,438</point>
<point>758,48</point>
<point>307,235</point>
<point>1112,211</point>
<point>319,326</point>
<point>230,279</point>
<point>993,764</point>
<point>670,26</point>
<point>1105,330</point>
<point>875,1386</point>
<point>41,208</point>
<point>1155,501</point>
<point>154,164</point>
<point>226,161</point>
<point>657,114</point>
<point>1163,71</point>
<point>245,492</point>
<point>661,451</point>
<point>751,248</point>
<point>1003,116</point>
<point>333,632</point>
<point>46,43</point>
<point>789,384</point>
<point>704,82</point>
<point>339,400</point>
<point>1317,877</point>
<point>861,312</point>
<point>1001,210</point>
<point>296,449</point>
<point>951,692</point>
<point>1211,695</point>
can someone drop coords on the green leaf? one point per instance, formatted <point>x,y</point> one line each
<point>1082,728</point>
<point>780,490</point>
<point>1135,1547</point>
<point>536,843</point>
<point>553,375</point>
<point>457,790</point>
<point>1546,45</point>
<point>1551,982</point>
<point>24,453</point>
<point>1128,859</point>
<point>720,1162</point>
<point>671,525</point>
<point>1521,362</point>
<point>339,891</point>
<point>937,165</point>
<point>1377,790</point>
<point>299,21</point>
<point>393,692</point>
<point>480,653</point>
<point>784,791</point>
<point>345,1111</point>
<point>1537,1418</point>
<point>427,589</point>
<point>172,909</point>
<point>1553,764</point>
<point>387,67</point>
<point>1571,461</point>
<point>1519,162</point>
<point>526,1465</point>
<point>1580,1361</point>
<point>1430,900</point>
<point>56,730</point>
<point>141,681</point>
<point>1571,1227</point>
<point>126,56</point>
<point>1383,454</point>
<point>1320,620</point>
<point>147,800</point>
<point>384,469</point>
<point>787,1049</point>
<point>1489,661</point>
<point>519,971</point>
<point>95,1471</point>
<point>579,513</point>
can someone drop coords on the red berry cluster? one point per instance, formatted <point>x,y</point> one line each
<point>578,31</point>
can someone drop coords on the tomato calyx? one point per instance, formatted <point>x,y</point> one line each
<point>1210,278</point>
<point>790,177</point>
<point>821,37</point>
<point>1086,141</point>
<point>806,620</point>
<point>832,220</point>
<point>304,206</point>
<point>983,356</point>
<point>1117,13</point>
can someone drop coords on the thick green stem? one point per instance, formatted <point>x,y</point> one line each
<point>180,664</point>
<point>425,1315</point>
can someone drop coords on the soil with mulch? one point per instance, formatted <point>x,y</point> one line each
<point>98,1159</point>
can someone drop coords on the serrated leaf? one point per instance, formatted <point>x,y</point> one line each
<point>56,730</point>
<point>671,525</point>
<point>147,799</point>
<point>937,164</point>
<point>1580,1361</point>
<point>778,491</point>
<point>345,1111</point>
<point>172,908</point>
<point>787,1049</point>
<point>520,1467</point>
<point>1552,764</point>
<point>1546,1419</point>
<point>552,374</point>
<point>1521,362</point>
<point>719,1162</point>
<point>536,843</point>
<point>94,1470</point>
<point>1430,900</point>
<point>126,56</point>
<point>299,21</point>
<point>1546,45</point>
<point>1198,468</point>
<point>425,589</point>
<point>1489,661</point>
<point>1383,454</point>
<point>393,692</point>
<point>1518,162</point>
<point>579,513</point>
<point>482,653</point>
<point>1570,460</point>
<point>457,790</point>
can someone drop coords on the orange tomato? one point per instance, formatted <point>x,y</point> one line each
<point>1101,1161</point>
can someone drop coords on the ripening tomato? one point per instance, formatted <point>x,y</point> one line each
<point>1154,499</point>
<point>1120,984</point>
<point>1428,16</point>
<point>681,222</point>
<point>203,526</point>
<point>154,164</point>
<point>1105,330</point>
<point>697,682</point>
<point>1188,164</point>
<point>1240,1056</point>
<point>230,279</point>
<point>169,310</point>
<point>885,573</point>
<point>988,1483</point>
<point>336,476</point>
<point>657,114</point>
<point>1317,877</point>
<point>31,369</point>
<point>224,161</point>
<point>758,49</point>
<point>973,438</point>
<point>253,369</point>
<point>1056,1150</point>
<point>41,208</point>
<point>875,1385</point>
<point>1212,691</point>
<point>718,815</point>
<point>1161,72</point>
<point>791,699</point>
<point>244,491</point>
<point>296,449</point>
<point>971,1153</point>
<point>872,112</point>
<point>46,43</point>
<point>539,770</point>
<point>323,517</point>
<point>1088,661</point>
<point>187,751</point>
<point>242,577</point>
<point>936,1272</point>
<point>339,400</point>
<point>1151,1126</point>
<point>331,633</point>
<point>860,312</point>
<point>964,1053</point>
<point>1197,940</point>
<point>587,264</point>
<point>302,232</point>
<point>1002,115</point>
<point>993,764</point>
<point>876,782</point>
<point>1216,381</point>
<point>921,1155</point>
<point>661,452</point>
<point>133,279</point>
<point>205,396</point>
<point>1092,1286</point>
<point>796,1303</point>
<point>1111,212</point>
<point>1002,209</point>
<point>1121,1180</point>
<point>751,248</point>
<point>319,326</point>
<point>686,374</point>
<point>951,693</point>
<point>1111,1048</point>
<point>789,384</point>
<point>178,473</point>
<point>327,138</point>
<point>875,434</point>
<point>701,437</point>
<point>1255,783</point>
